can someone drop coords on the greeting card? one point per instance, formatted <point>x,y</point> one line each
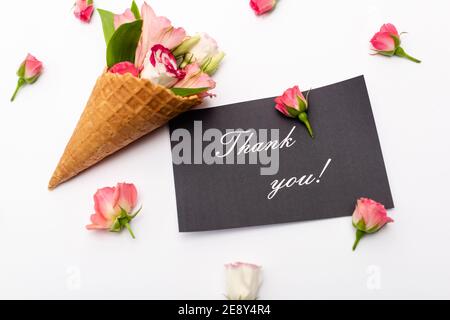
<point>246,164</point>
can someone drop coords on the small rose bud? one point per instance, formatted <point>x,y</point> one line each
<point>294,105</point>
<point>369,217</point>
<point>84,10</point>
<point>125,67</point>
<point>262,6</point>
<point>29,71</point>
<point>387,42</point>
<point>243,281</point>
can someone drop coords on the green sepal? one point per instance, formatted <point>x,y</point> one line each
<point>302,105</point>
<point>107,18</point>
<point>135,10</point>
<point>292,112</point>
<point>21,70</point>
<point>387,53</point>
<point>123,43</point>
<point>212,64</point>
<point>186,92</point>
<point>186,46</point>
<point>32,79</point>
<point>123,221</point>
<point>396,41</point>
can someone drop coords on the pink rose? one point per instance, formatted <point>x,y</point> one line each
<point>126,17</point>
<point>293,104</point>
<point>161,67</point>
<point>262,6</point>
<point>125,67</point>
<point>84,10</point>
<point>369,217</point>
<point>387,42</point>
<point>196,78</point>
<point>113,207</point>
<point>29,71</point>
<point>156,30</point>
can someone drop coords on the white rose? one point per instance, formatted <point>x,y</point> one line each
<point>243,281</point>
<point>205,49</point>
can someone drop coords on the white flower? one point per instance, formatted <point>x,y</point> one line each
<point>205,49</point>
<point>160,67</point>
<point>243,281</point>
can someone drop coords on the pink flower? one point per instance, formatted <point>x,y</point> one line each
<point>161,67</point>
<point>243,281</point>
<point>126,17</point>
<point>156,30</point>
<point>195,78</point>
<point>387,42</point>
<point>125,67</point>
<point>369,217</point>
<point>84,10</point>
<point>29,71</point>
<point>262,6</point>
<point>293,104</point>
<point>113,207</point>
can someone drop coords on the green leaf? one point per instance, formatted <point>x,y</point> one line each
<point>107,18</point>
<point>123,43</point>
<point>135,10</point>
<point>186,92</point>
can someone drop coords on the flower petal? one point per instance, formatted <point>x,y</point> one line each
<point>105,202</point>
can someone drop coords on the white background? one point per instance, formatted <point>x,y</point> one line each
<point>47,253</point>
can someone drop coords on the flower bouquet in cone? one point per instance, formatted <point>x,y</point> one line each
<point>154,72</point>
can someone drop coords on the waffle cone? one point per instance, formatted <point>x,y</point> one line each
<point>121,109</point>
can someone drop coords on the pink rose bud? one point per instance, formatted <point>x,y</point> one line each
<point>262,6</point>
<point>125,67</point>
<point>161,67</point>
<point>369,217</point>
<point>113,207</point>
<point>294,105</point>
<point>387,42</point>
<point>84,10</point>
<point>28,73</point>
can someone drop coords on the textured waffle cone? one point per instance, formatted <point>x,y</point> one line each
<point>121,109</point>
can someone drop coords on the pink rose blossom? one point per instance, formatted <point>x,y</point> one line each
<point>84,10</point>
<point>156,30</point>
<point>293,104</point>
<point>113,207</point>
<point>29,71</point>
<point>126,17</point>
<point>387,42</point>
<point>262,6</point>
<point>125,67</point>
<point>369,217</point>
<point>161,67</point>
<point>196,78</point>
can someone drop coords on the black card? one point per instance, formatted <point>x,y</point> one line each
<point>246,164</point>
